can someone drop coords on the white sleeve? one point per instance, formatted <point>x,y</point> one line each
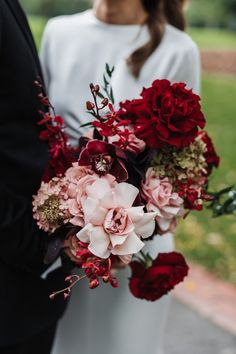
<point>45,56</point>
<point>189,68</point>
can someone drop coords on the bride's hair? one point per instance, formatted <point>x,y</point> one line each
<point>159,12</point>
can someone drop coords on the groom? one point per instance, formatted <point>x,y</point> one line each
<point>27,317</point>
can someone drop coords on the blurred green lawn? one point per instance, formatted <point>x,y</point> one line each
<point>210,242</point>
<point>213,39</point>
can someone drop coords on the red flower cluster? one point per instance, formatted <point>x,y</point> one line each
<point>95,268</point>
<point>166,271</point>
<point>212,159</point>
<point>167,114</point>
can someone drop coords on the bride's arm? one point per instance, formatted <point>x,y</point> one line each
<point>45,56</point>
<point>188,69</point>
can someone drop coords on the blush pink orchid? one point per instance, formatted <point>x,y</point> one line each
<point>112,224</point>
<point>161,199</point>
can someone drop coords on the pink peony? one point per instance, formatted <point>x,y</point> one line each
<point>160,198</point>
<point>113,225</point>
<point>79,178</point>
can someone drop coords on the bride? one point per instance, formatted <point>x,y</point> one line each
<point>144,40</point>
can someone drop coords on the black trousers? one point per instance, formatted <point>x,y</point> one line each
<point>40,343</point>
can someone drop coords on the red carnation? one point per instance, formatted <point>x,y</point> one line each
<point>167,270</point>
<point>212,159</point>
<point>103,159</point>
<point>167,114</point>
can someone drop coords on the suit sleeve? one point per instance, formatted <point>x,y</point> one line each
<point>21,242</point>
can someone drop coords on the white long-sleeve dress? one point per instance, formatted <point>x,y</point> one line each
<point>74,52</point>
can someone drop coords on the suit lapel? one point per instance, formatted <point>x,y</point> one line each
<point>23,24</point>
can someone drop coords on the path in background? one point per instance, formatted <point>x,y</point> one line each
<point>223,62</point>
<point>211,297</point>
<point>187,332</point>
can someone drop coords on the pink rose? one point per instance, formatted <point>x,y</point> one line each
<point>77,191</point>
<point>76,172</point>
<point>112,224</point>
<point>160,198</point>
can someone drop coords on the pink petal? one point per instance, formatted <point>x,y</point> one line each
<point>146,225</point>
<point>126,194</point>
<point>93,212</point>
<point>135,213</point>
<point>99,242</point>
<point>99,188</point>
<point>84,234</point>
<point>132,245</point>
<point>117,240</point>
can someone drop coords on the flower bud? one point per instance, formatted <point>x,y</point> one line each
<point>96,88</point>
<point>90,105</point>
<point>105,102</point>
<point>94,283</point>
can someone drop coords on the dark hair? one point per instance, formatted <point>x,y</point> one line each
<point>159,12</point>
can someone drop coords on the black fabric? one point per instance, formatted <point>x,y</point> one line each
<point>38,344</point>
<point>25,308</point>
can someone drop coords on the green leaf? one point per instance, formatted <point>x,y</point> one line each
<point>105,80</point>
<point>99,94</point>
<point>86,124</point>
<point>112,96</point>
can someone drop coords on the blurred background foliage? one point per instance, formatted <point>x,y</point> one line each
<point>210,242</point>
<point>201,13</point>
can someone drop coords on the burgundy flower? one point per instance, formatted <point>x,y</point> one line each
<point>103,159</point>
<point>166,271</point>
<point>166,114</point>
<point>212,159</point>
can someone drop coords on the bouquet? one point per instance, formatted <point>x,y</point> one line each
<point>145,166</point>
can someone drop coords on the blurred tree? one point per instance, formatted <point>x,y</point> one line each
<point>201,13</point>
<point>51,8</point>
<point>210,13</point>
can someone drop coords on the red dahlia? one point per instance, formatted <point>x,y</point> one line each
<point>167,114</point>
<point>212,159</point>
<point>167,270</point>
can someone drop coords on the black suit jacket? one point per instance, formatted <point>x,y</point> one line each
<point>25,308</point>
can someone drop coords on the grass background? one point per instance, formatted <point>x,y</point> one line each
<point>210,242</point>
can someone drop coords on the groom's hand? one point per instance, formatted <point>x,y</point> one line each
<point>71,247</point>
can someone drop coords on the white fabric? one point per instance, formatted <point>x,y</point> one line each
<point>74,52</point>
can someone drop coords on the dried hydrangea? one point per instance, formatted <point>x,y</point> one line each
<point>181,165</point>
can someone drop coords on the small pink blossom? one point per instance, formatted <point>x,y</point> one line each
<point>160,198</point>
<point>46,204</point>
